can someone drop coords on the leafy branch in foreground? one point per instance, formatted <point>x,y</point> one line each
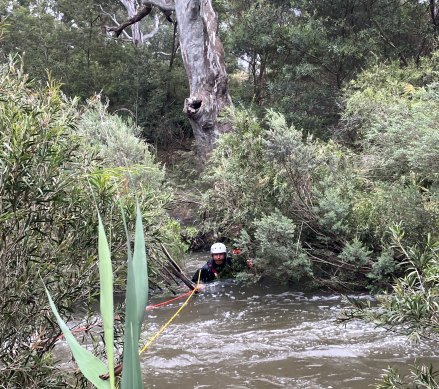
<point>136,298</point>
<point>420,376</point>
<point>411,308</point>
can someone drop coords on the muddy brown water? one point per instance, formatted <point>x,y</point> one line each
<point>265,336</point>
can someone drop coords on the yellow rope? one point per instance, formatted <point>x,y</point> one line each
<point>172,318</point>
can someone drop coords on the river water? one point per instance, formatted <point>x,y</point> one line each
<point>265,336</point>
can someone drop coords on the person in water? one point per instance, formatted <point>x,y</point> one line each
<point>218,264</point>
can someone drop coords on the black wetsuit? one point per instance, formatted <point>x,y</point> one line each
<point>211,270</point>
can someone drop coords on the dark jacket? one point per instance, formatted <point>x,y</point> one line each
<point>210,271</point>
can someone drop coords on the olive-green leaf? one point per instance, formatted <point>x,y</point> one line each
<point>106,297</point>
<point>131,375</point>
<point>91,367</point>
<point>140,268</point>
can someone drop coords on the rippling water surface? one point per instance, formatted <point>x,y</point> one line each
<point>234,336</point>
<point>265,336</point>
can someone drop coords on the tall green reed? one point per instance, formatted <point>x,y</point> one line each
<point>136,300</point>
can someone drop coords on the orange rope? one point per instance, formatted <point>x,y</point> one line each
<point>168,301</point>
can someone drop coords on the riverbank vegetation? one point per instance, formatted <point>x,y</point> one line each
<point>277,190</point>
<point>334,147</point>
<point>60,165</point>
<point>409,309</point>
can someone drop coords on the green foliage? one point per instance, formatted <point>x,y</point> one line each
<point>412,305</point>
<point>91,367</point>
<point>266,166</point>
<point>333,210</point>
<point>136,299</point>
<point>69,42</point>
<point>421,376</point>
<point>344,199</point>
<point>116,141</point>
<point>395,112</point>
<point>410,308</point>
<point>106,302</point>
<point>236,166</point>
<point>40,179</point>
<point>355,253</point>
<point>278,249</point>
<point>389,204</point>
<point>49,181</point>
<point>126,161</point>
<point>296,56</point>
<point>384,268</point>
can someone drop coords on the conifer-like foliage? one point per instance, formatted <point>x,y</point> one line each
<point>342,196</point>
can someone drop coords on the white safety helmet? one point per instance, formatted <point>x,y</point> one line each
<point>218,248</point>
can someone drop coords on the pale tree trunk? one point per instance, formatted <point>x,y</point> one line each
<point>131,7</point>
<point>203,58</point>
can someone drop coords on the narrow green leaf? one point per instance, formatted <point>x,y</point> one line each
<point>128,236</point>
<point>91,367</point>
<point>136,299</point>
<point>106,300</point>
<point>140,268</point>
<point>131,374</point>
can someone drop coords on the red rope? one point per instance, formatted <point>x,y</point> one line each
<point>89,327</point>
<point>168,301</point>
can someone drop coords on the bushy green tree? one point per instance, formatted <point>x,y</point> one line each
<point>69,41</point>
<point>393,112</point>
<point>344,195</point>
<point>51,184</point>
<point>410,308</point>
<point>266,166</point>
<point>297,56</point>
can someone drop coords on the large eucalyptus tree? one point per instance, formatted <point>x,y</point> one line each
<point>203,58</point>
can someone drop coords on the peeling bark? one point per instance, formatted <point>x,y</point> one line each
<point>203,57</point>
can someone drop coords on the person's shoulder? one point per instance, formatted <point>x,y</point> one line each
<point>208,264</point>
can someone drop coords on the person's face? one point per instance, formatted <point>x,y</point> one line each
<point>219,258</point>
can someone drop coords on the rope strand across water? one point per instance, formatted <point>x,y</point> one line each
<point>157,334</point>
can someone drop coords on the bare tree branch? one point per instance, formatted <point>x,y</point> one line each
<point>141,13</point>
<point>113,18</point>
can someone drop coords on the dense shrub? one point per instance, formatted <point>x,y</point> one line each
<point>344,196</point>
<point>394,113</point>
<point>410,307</point>
<point>52,186</point>
<point>279,251</point>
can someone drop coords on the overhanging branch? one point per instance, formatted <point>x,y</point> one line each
<point>141,13</point>
<point>166,6</point>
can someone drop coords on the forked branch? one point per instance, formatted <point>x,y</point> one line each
<point>141,13</point>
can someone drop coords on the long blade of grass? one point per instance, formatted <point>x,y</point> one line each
<point>91,367</point>
<point>131,375</point>
<point>140,268</point>
<point>106,297</point>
